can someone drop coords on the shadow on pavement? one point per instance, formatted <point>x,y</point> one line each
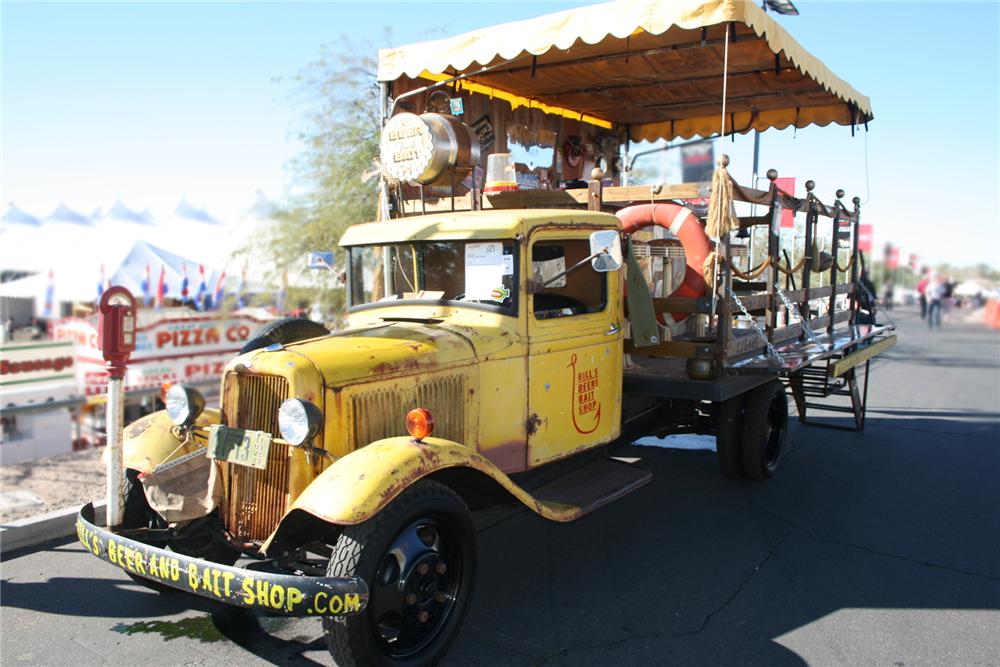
<point>718,570</point>
<point>97,597</point>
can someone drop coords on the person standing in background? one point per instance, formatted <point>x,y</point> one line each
<point>935,293</point>
<point>887,294</point>
<point>922,294</point>
<point>947,296</point>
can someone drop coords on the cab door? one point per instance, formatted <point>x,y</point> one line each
<point>574,348</point>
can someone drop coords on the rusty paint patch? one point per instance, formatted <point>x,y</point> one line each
<point>534,421</point>
<point>394,367</point>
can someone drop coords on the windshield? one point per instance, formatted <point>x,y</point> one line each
<point>475,273</point>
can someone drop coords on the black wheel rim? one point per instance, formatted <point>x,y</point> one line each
<point>416,587</point>
<point>774,431</point>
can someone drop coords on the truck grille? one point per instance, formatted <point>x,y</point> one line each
<point>255,500</point>
<point>381,413</point>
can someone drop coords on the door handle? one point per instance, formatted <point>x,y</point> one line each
<point>613,329</point>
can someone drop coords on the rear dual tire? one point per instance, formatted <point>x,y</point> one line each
<point>751,432</point>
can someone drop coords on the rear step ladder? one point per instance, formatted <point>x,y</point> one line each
<point>838,377</point>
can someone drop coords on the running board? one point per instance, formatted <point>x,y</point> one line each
<point>589,487</point>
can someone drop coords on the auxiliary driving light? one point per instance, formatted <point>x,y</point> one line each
<point>298,421</point>
<point>419,423</point>
<point>184,404</point>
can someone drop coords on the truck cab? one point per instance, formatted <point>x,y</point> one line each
<point>480,279</point>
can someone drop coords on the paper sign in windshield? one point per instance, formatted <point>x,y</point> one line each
<point>483,269</point>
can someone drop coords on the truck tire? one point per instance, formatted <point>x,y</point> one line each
<point>765,430</point>
<point>418,557</point>
<point>728,436</point>
<point>287,330</point>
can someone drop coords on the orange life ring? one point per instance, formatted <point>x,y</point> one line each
<point>684,224</point>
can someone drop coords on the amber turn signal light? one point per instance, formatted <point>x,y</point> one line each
<point>419,423</point>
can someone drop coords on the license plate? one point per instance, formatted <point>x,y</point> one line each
<point>239,446</point>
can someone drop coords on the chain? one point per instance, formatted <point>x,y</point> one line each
<point>760,332</point>
<point>794,310</point>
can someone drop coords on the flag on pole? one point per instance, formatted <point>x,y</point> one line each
<point>161,287</point>
<point>282,294</point>
<point>892,256</point>
<point>185,292</point>
<point>50,301</point>
<point>100,284</point>
<point>147,295</point>
<point>220,290</point>
<point>241,290</point>
<point>199,299</point>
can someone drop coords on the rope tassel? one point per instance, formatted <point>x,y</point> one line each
<point>721,209</point>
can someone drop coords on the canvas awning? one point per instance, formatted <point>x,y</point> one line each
<point>655,66</point>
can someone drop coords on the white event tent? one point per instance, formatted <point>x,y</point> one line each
<point>80,251</point>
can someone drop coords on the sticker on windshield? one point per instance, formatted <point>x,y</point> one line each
<point>508,265</point>
<point>500,294</point>
<point>483,269</point>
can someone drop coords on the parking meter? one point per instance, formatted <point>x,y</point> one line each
<point>116,330</point>
<point>116,338</point>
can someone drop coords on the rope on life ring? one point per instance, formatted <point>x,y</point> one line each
<point>685,225</point>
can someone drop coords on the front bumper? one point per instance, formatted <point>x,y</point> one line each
<point>274,593</point>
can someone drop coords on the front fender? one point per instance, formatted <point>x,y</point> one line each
<point>151,440</point>
<point>360,484</point>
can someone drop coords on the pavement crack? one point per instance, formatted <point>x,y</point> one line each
<point>739,589</point>
<point>809,535</point>
<point>684,633</point>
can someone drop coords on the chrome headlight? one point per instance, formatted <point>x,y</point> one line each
<point>298,421</point>
<point>184,404</point>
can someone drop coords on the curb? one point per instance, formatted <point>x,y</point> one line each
<point>37,530</point>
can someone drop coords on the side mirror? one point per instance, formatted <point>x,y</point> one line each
<point>606,251</point>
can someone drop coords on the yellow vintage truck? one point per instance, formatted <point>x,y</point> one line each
<point>518,311</point>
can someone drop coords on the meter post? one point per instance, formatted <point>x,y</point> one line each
<point>116,338</point>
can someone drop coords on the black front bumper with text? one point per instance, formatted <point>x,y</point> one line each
<point>274,593</point>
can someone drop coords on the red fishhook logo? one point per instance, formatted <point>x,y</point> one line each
<point>583,396</point>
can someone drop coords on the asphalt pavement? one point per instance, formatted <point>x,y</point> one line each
<point>874,548</point>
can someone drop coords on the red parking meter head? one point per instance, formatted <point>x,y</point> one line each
<point>116,329</point>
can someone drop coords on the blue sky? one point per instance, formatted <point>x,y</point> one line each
<point>151,102</point>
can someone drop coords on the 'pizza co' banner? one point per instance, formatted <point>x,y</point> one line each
<point>174,345</point>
